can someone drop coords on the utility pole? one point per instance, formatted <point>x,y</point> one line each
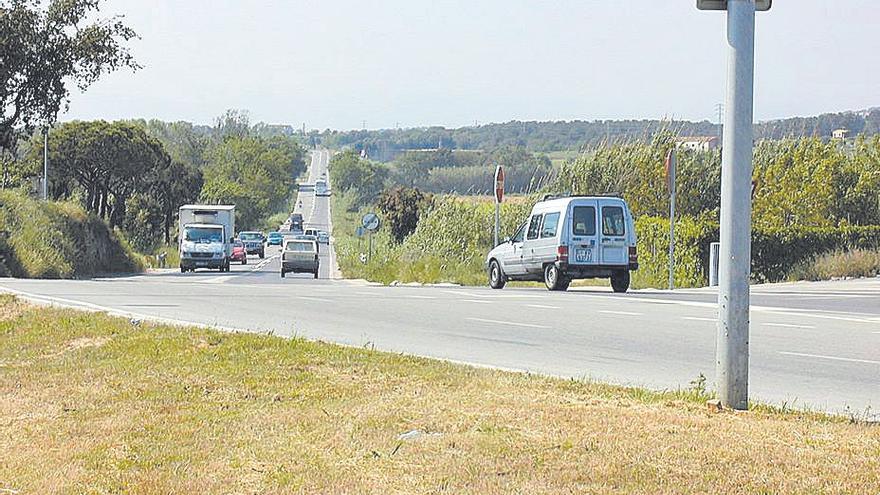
<point>46,164</point>
<point>719,108</point>
<point>364,125</point>
<point>732,352</point>
<point>670,177</point>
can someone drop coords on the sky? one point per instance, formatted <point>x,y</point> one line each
<point>341,63</point>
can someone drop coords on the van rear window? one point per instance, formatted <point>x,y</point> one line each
<point>584,220</point>
<point>613,222</point>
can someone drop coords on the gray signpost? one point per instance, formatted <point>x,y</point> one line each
<point>732,343</point>
<point>371,224</point>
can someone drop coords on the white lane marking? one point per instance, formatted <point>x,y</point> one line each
<point>480,301</point>
<point>624,313</point>
<point>814,313</point>
<point>419,297</point>
<point>787,325</point>
<point>699,318</point>
<point>508,323</point>
<point>542,306</point>
<point>367,293</point>
<point>309,298</point>
<point>830,358</point>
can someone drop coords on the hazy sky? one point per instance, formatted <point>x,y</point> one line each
<point>334,63</point>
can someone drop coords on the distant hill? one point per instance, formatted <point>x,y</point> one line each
<point>572,135</point>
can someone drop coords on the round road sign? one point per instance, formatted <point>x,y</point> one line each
<point>371,222</point>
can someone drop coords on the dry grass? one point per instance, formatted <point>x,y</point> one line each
<point>153,409</point>
<point>839,264</point>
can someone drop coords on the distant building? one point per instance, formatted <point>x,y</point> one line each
<point>699,143</point>
<point>840,133</point>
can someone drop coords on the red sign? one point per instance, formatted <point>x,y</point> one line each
<point>499,184</point>
<point>670,169</point>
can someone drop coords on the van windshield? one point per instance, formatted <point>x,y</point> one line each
<point>583,220</point>
<point>203,235</point>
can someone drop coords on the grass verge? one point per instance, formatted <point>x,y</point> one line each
<point>839,264</point>
<point>95,404</point>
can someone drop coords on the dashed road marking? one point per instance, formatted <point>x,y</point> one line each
<point>624,313</point>
<point>788,325</point>
<point>508,323</point>
<point>830,358</point>
<point>480,301</point>
<point>699,318</point>
<point>542,306</point>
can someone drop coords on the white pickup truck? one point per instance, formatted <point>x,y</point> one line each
<point>206,236</point>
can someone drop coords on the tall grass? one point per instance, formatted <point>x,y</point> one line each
<point>58,240</point>
<point>839,264</point>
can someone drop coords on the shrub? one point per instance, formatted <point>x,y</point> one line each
<point>401,207</point>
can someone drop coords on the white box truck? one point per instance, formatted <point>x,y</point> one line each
<point>206,236</point>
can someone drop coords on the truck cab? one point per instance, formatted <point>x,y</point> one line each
<point>206,237</point>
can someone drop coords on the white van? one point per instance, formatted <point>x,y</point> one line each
<point>567,238</point>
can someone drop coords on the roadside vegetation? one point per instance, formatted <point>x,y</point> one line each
<point>811,198</point>
<point>58,240</point>
<point>92,403</point>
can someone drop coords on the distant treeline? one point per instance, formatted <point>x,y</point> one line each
<point>387,144</point>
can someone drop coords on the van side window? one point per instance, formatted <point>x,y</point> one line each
<point>551,220</point>
<point>534,227</point>
<point>583,220</point>
<point>613,222</point>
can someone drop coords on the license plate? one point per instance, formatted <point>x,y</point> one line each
<point>583,255</point>
<point>201,263</point>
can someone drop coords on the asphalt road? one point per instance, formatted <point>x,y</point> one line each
<point>813,345</point>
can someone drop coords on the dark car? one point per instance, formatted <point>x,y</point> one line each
<point>253,241</point>
<point>239,252</point>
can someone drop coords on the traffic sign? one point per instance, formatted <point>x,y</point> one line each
<point>371,222</point>
<point>760,5</point>
<point>499,184</point>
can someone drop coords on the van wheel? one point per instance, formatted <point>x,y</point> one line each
<point>496,276</point>
<point>620,281</point>
<point>554,279</point>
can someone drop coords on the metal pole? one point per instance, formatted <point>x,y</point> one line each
<point>732,351</point>
<point>46,164</point>
<point>497,220</point>
<point>672,165</point>
<point>370,244</point>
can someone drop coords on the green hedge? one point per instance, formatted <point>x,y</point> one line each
<point>58,240</point>
<point>775,252</point>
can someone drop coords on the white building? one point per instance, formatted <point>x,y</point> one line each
<point>699,143</point>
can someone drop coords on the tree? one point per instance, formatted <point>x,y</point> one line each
<point>349,172</point>
<point>46,49</point>
<point>254,174</point>
<point>402,207</point>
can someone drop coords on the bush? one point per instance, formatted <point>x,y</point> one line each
<point>58,240</point>
<point>401,207</point>
<point>776,253</point>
